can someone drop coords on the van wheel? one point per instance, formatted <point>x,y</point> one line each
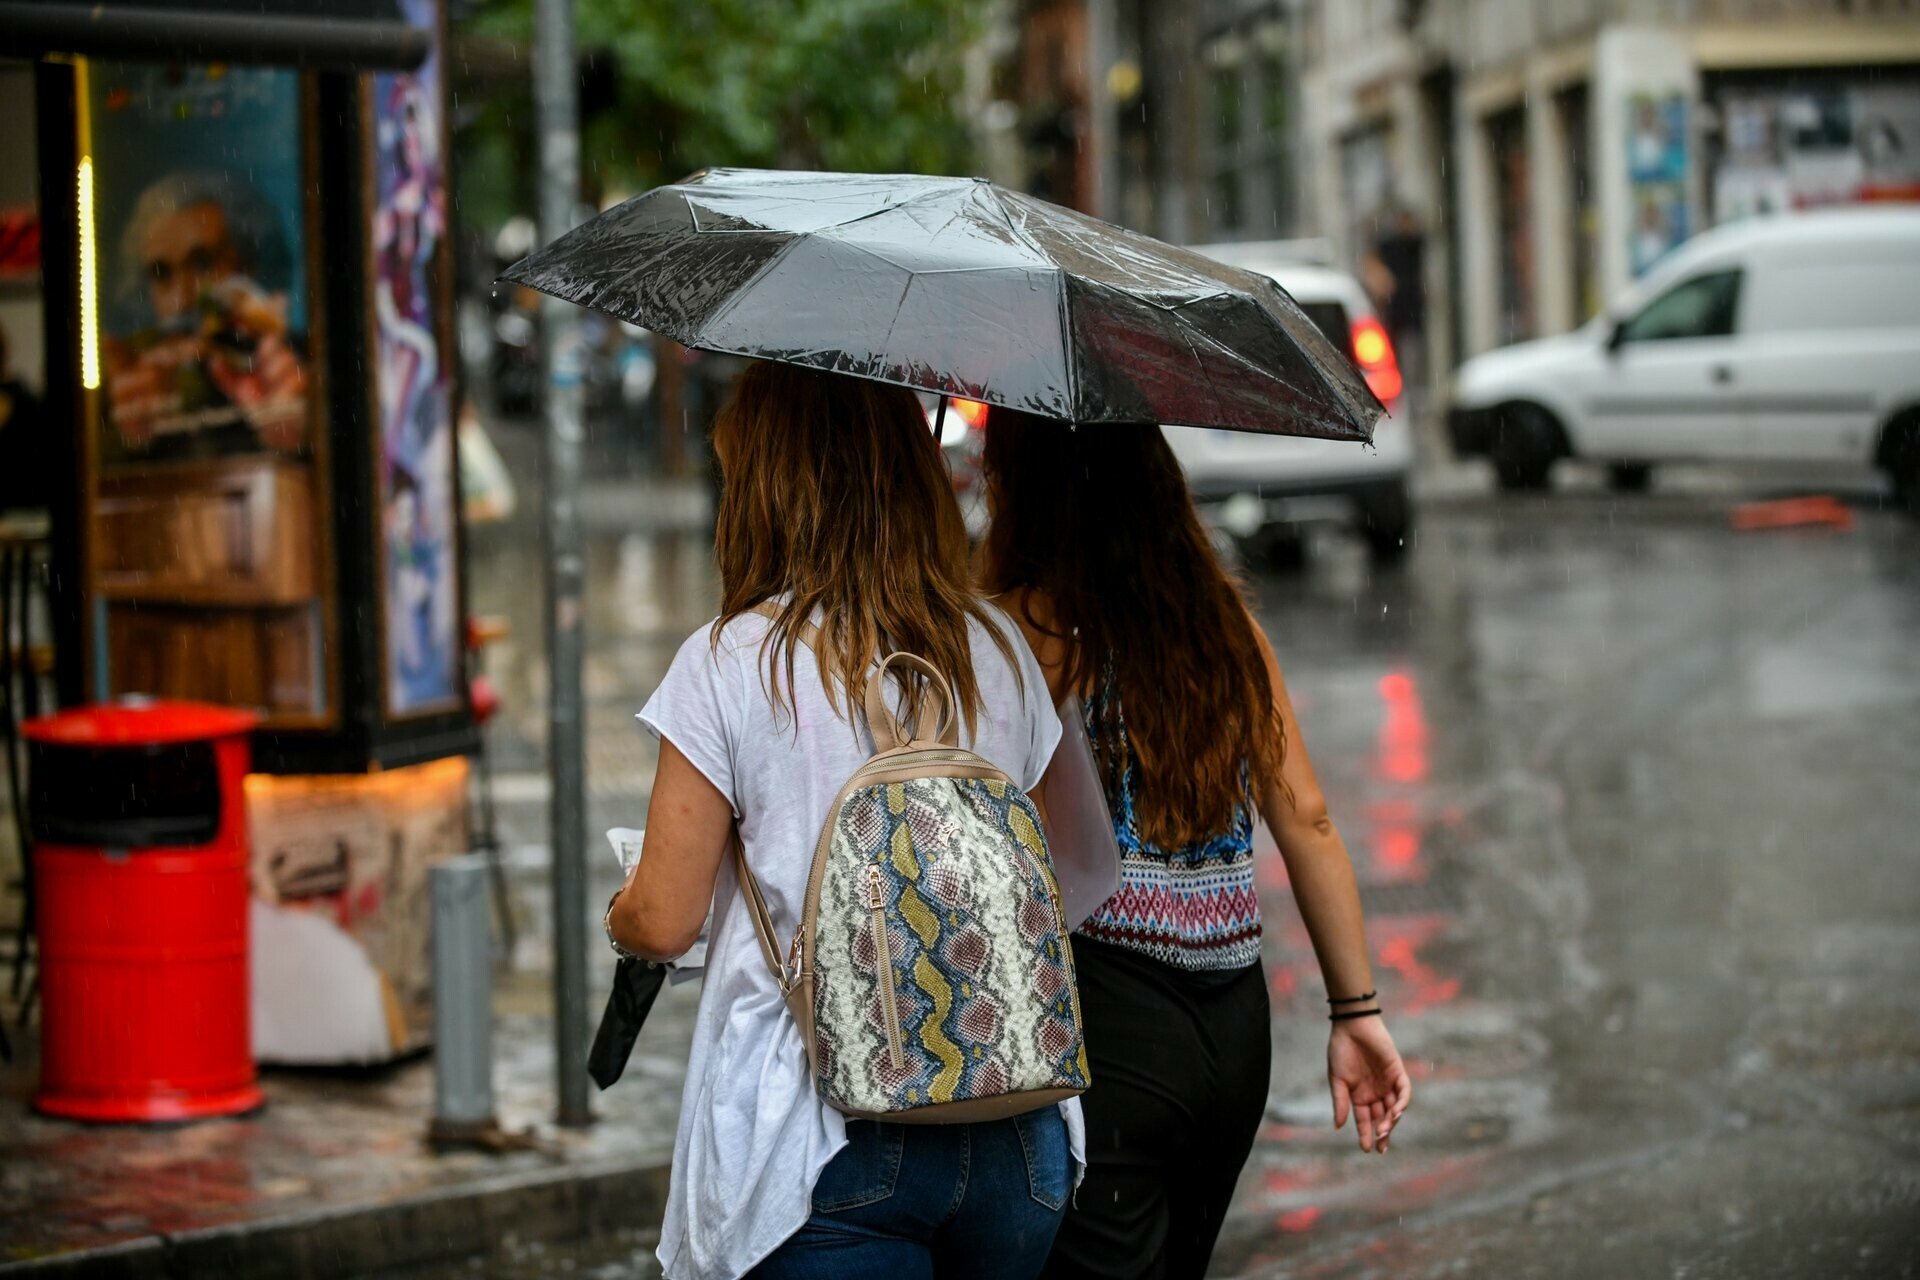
<point>1906,482</point>
<point>1280,548</point>
<point>1386,521</point>
<point>1527,441</point>
<point>1900,455</point>
<point>1629,477</point>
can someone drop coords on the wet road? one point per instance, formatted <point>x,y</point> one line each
<point>1635,803</point>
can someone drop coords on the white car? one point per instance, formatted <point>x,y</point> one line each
<point>1248,484</point>
<point>1791,340</point>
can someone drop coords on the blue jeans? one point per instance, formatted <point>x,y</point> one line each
<point>927,1201</point>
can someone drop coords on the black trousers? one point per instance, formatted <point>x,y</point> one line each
<point>1180,1066</point>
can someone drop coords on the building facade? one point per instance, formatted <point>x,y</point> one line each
<point>1175,119</point>
<point>1524,159</point>
<point>1548,151</point>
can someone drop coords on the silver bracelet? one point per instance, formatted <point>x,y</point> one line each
<point>606,925</point>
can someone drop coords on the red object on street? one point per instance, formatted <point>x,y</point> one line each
<point>140,856</point>
<point>1785,513</point>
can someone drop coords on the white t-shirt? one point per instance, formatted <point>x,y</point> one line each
<point>753,1135</point>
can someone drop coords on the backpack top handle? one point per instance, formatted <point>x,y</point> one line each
<point>939,724</point>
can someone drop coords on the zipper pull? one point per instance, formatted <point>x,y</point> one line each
<point>876,890</point>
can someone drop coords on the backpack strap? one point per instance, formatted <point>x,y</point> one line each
<point>808,634</point>
<point>761,915</point>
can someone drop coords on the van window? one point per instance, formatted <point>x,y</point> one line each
<point>1811,297</point>
<point>1701,307</point>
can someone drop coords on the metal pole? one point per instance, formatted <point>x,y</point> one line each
<point>559,111</point>
<point>462,1000</point>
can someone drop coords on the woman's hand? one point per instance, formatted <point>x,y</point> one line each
<point>1367,1077</point>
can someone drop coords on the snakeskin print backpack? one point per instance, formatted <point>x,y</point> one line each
<point>931,973</point>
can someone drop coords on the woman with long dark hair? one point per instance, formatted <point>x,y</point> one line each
<point>838,534</point>
<point>1096,549</point>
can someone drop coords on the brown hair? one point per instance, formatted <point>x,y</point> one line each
<point>834,493</point>
<point>1097,520</point>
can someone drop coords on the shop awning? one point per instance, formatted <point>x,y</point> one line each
<point>331,35</point>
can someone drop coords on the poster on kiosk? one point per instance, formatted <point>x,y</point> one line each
<point>341,864</point>
<point>275,525</point>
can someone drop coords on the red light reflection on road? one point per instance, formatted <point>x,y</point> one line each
<point>1396,819</point>
<point>1295,1221</point>
<point>1400,760</point>
<point>1402,755</point>
<point>1397,942</point>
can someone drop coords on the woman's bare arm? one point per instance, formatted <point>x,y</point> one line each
<point>1364,1071</point>
<point>689,826</point>
<point>1317,864</point>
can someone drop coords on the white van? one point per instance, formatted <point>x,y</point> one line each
<point>1248,484</point>
<point>1789,340</point>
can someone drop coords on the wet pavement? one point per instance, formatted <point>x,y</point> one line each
<point>1635,804</point>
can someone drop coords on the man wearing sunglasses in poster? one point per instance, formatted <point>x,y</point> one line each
<point>218,371</point>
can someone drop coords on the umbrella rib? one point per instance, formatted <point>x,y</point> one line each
<point>875,213</point>
<point>1019,232</point>
<point>1072,361</point>
<point>1206,373</point>
<point>693,222</point>
<point>744,290</point>
<point>1363,419</point>
<point>899,304</point>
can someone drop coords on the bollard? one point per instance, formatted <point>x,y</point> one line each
<point>462,1003</point>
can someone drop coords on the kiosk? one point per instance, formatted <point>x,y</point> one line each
<point>249,367</point>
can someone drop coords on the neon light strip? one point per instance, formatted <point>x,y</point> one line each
<point>89,284</point>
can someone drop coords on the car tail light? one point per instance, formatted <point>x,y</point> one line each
<point>1373,352</point>
<point>972,412</point>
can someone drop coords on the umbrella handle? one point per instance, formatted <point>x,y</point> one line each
<point>940,421</point>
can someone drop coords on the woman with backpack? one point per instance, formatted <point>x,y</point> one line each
<point>839,542</point>
<point>1095,547</point>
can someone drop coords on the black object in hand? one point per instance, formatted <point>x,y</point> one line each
<point>636,985</point>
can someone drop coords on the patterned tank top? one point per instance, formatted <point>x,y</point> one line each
<point>1194,907</point>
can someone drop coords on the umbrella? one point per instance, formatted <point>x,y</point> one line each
<point>960,287</point>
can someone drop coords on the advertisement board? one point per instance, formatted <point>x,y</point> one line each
<point>417,476</point>
<point>200,234</point>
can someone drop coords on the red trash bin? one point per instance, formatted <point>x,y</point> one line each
<point>140,858</point>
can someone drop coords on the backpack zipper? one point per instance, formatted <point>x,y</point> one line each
<point>883,961</point>
<point>810,904</point>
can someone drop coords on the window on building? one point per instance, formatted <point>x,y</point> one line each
<point>1228,111</point>
<point>1227,95</point>
<point>1506,135</point>
<point>1276,137</point>
<point>1228,210</point>
<point>1702,307</point>
<point>1583,215</point>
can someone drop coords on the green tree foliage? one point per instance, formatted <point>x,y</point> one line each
<point>859,85</point>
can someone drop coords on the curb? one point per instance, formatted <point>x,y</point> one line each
<point>358,1240</point>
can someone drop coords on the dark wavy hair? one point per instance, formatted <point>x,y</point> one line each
<point>1098,521</point>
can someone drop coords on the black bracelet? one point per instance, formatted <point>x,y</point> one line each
<point>1351,999</point>
<point>1352,1013</point>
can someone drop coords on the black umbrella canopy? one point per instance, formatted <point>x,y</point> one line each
<point>961,287</point>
